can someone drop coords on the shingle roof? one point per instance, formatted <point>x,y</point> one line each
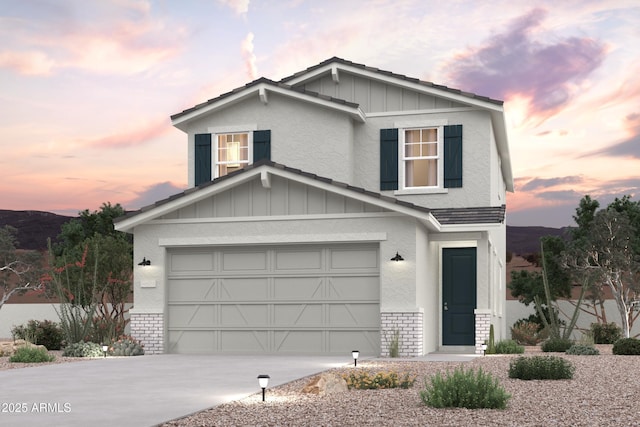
<point>335,59</point>
<point>450,216</point>
<point>268,82</point>
<point>481,215</point>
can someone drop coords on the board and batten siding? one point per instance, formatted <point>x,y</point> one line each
<point>374,96</point>
<point>283,198</point>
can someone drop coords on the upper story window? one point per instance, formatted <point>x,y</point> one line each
<point>224,151</point>
<point>232,152</point>
<point>421,159</point>
<point>420,154</point>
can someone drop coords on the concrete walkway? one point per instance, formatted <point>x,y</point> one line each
<point>146,390</point>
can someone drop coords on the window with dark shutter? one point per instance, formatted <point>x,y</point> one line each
<point>453,156</point>
<point>388,159</point>
<point>261,145</point>
<point>202,158</point>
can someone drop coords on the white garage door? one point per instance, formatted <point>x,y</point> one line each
<point>287,299</point>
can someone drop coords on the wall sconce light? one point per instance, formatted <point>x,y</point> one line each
<point>105,348</point>
<point>397,258</point>
<point>145,262</point>
<point>355,354</point>
<point>263,381</point>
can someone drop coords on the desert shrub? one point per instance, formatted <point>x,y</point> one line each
<point>363,380</point>
<point>31,355</point>
<point>583,350</point>
<point>508,347</point>
<point>528,333</point>
<point>556,345</point>
<point>41,332</point>
<point>541,368</point>
<point>627,346</point>
<point>83,349</point>
<point>605,333</point>
<point>126,346</point>
<point>464,389</point>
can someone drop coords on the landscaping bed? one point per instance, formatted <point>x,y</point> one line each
<point>604,392</point>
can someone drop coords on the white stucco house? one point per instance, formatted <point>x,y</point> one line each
<point>326,212</point>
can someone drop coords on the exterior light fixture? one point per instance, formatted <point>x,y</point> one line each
<point>105,348</point>
<point>355,354</point>
<point>145,262</point>
<point>263,381</point>
<point>397,258</point>
<point>484,349</point>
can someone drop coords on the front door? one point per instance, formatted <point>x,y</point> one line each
<point>458,296</point>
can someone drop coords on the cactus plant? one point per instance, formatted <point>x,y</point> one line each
<point>126,346</point>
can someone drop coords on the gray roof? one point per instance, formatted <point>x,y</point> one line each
<point>335,59</point>
<point>448,216</point>
<point>269,82</point>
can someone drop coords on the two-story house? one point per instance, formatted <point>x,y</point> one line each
<point>339,208</point>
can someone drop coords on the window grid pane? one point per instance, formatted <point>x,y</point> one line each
<point>421,157</point>
<point>232,153</point>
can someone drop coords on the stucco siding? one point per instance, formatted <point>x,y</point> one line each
<point>477,179</point>
<point>303,135</point>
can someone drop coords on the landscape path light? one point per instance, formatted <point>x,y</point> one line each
<point>484,349</point>
<point>105,348</point>
<point>263,381</point>
<point>355,354</point>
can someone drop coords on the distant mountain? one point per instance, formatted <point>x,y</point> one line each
<point>34,227</point>
<point>526,240</point>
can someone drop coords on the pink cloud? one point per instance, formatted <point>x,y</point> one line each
<point>514,64</point>
<point>249,57</point>
<point>119,38</point>
<point>137,136</point>
<point>28,63</point>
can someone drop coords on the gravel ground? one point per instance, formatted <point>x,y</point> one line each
<point>605,391</point>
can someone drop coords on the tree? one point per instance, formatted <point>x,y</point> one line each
<point>606,255</point>
<point>91,240</point>
<point>20,271</point>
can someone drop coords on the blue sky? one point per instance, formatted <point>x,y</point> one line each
<point>87,87</point>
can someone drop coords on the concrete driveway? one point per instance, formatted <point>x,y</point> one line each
<point>141,391</point>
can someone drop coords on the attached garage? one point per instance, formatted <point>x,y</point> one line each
<point>274,299</point>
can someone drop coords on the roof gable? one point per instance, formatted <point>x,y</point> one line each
<point>264,170</point>
<point>261,88</point>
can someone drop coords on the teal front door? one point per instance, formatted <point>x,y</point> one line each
<point>458,296</point>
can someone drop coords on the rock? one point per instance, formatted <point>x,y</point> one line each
<point>325,383</point>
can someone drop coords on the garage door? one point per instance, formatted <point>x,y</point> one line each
<point>287,299</point>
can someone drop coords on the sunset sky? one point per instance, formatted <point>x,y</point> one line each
<point>87,87</point>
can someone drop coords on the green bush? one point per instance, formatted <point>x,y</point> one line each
<point>508,347</point>
<point>605,333</point>
<point>627,346</point>
<point>583,350</point>
<point>363,380</point>
<point>31,355</point>
<point>45,332</point>
<point>541,368</point>
<point>464,389</point>
<point>126,346</point>
<point>83,349</point>
<point>528,333</point>
<point>557,345</point>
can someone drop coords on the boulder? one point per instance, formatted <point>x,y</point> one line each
<point>325,383</point>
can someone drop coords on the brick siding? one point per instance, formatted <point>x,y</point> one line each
<point>148,328</point>
<point>409,327</point>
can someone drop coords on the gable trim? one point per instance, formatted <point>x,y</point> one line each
<point>260,90</point>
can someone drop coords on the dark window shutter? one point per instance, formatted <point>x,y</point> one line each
<point>388,159</point>
<point>453,156</point>
<point>261,145</point>
<point>203,158</point>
